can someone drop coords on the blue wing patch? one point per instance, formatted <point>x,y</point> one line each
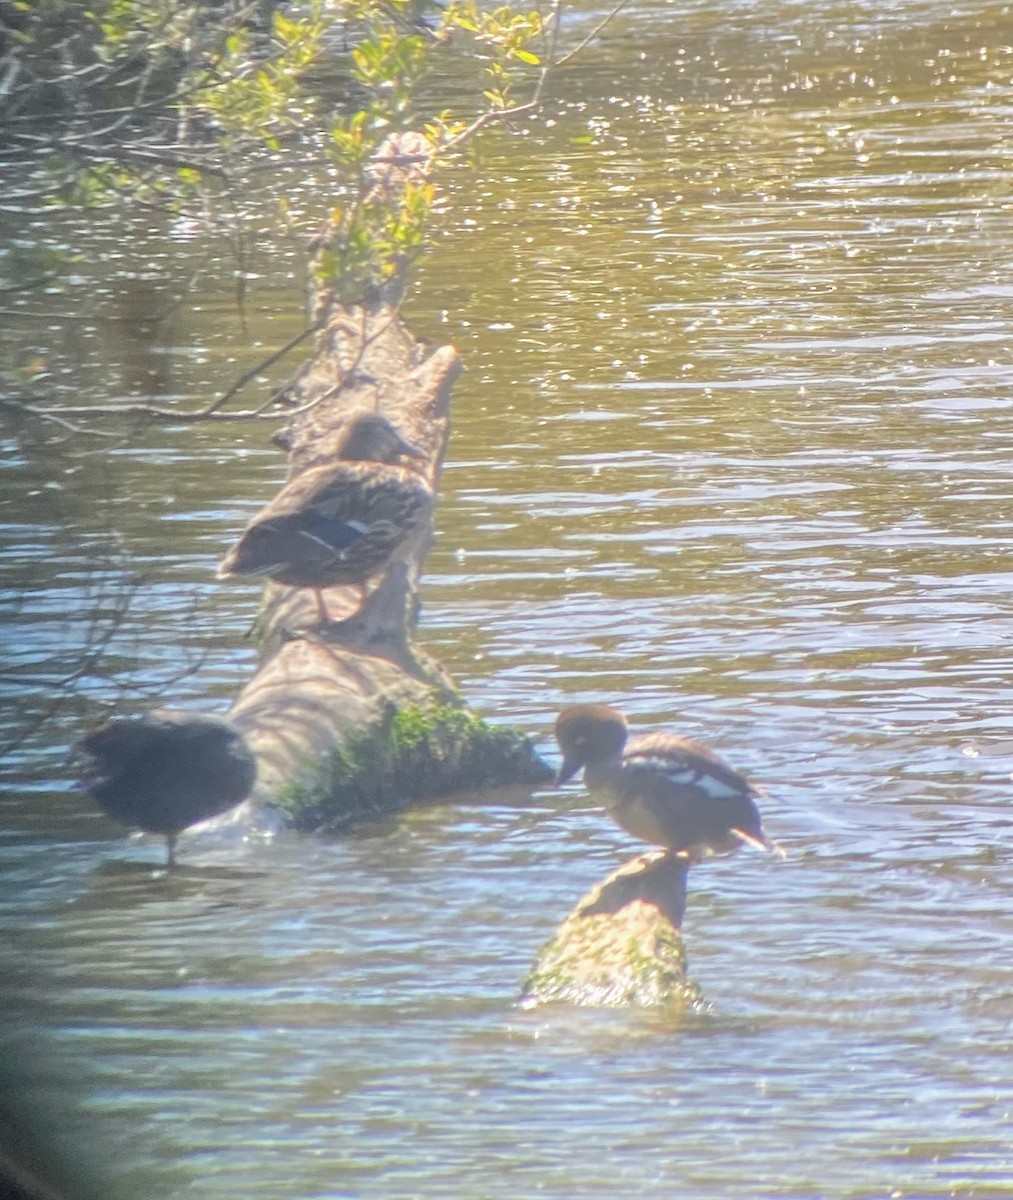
<point>335,535</point>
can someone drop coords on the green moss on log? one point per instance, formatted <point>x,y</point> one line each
<point>411,754</point>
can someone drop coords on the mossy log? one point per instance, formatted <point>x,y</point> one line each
<point>347,718</point>
<point>622,944</point>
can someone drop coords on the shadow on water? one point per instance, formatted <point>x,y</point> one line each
<point>119,882</point>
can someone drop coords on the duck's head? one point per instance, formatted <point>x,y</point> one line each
<point>370,437</point>
<point>588,733</point>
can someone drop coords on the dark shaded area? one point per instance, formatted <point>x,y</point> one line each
<point>29,1168</point>
<point>108,88</point>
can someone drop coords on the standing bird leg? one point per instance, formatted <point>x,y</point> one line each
<point>322,612</point>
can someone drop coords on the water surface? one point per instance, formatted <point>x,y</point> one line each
<point>732,451</point>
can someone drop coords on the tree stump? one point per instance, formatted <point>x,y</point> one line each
<point>622,944</point>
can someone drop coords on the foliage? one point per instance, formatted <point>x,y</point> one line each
<point>183,103</point>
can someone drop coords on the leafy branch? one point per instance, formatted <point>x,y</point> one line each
<point>165,107</point>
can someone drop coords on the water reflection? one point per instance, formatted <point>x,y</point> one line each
<point>731,452</point>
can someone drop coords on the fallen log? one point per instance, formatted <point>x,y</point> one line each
<point>347,718</point>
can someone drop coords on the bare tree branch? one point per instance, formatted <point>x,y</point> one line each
<point>213,408</point>
<point>582,45</point>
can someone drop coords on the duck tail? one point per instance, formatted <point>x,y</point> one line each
<point>761,842</point>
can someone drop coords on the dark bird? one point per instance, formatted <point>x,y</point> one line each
<point>663,789</point>
<point>338,523</point>
<point>168,770</point>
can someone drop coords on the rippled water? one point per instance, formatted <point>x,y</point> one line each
<point>733,450</point>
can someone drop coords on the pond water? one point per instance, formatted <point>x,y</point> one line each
<point>733,450</point>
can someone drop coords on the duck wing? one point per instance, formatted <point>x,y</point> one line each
<point>333,525</point>
<point>685,764</point>
<point>677,793</point>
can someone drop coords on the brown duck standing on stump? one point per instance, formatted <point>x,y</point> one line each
<point>339,523</point>
<point>665,790</point>
<point>168,770</point>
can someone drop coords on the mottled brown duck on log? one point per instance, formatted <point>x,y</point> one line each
<point>665,790</point>
<point>165,771</point>
<point>341,522</point>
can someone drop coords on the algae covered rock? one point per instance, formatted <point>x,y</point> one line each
<point>622,944</point>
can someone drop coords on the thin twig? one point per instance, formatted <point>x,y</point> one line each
<point>592,35</point>
<point>95,647</point>
<point>492,115</point>
<point>364,344</point>
<point>244,379</point>
<point>56,415</point>
<point>59,412</point>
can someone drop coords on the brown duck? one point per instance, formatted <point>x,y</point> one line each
<point>338,523</point>
<point>662,789</point>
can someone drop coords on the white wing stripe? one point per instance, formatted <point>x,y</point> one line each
<point>716,788</point>
<point>685,775</point>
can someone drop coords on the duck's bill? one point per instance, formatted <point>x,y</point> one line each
<point>567,771</point>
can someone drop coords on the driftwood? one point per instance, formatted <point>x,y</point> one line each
<point>348,719</point>
<point>622,944</point>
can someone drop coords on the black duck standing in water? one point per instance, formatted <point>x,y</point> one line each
<point>168,770</point>
<point>662,789</point>
<point>340,522</point>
